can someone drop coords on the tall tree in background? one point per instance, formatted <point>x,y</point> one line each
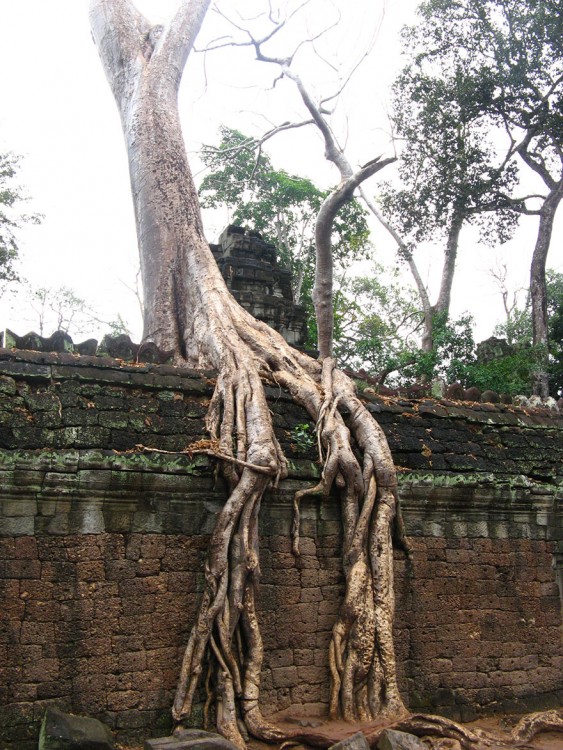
<point>513,49</point>
<point>451,174</point>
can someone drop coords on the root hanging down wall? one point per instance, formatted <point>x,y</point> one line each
<point>102,548</point>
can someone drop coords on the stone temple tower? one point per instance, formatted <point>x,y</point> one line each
<point>250,269</point>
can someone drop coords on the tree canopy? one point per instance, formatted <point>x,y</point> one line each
<point>282,207</point>
<point>510,53</point>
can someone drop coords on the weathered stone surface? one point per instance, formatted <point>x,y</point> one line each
<point>102,549</point>
<point>391,739</point>
<point>251,272</point>
<point>190,739</point>
<point>356,741</point>
<point>62,731</point>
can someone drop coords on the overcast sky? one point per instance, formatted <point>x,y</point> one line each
<point>58,113</point>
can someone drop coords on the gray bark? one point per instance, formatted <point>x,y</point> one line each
<point>538,290</point>
<point>144,71</point>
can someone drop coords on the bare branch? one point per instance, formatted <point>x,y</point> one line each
<point>351,73</point>
<point>251,144</point>
<point>405,251</point>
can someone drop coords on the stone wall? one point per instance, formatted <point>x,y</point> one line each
<point>102,547</point>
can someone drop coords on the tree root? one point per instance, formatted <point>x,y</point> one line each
<point>541,721</point>
<point>361,655</point>
<point>438,732</point>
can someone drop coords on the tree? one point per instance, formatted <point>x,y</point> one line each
<point>525,357</point>
<point>554,289</point>
<point>514,49</point>
<point>11,218</point>
<point>51,309</point>
<point>451,174</point>
<point>189,311</point>
<point>60,309</point>
<point>377,320</point>
<point>281,206</point>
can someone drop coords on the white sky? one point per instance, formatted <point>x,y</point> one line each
<point>57,111</point>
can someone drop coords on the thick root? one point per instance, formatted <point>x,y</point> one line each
<point>542,721</point>
<point>438,732</point>
<point>361,654</point>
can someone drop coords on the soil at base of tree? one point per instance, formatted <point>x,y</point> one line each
<point>499,724</point>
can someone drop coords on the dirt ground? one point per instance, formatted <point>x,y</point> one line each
<point>499,725</point>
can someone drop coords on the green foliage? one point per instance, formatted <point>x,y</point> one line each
<point>449,167</point>
<point>518,326</point>
<point>518,332</point>
<point>377,323</point>
<point>118,327</point>
<point>302,438</point>
<point>512,53</point>
<point>452,354</point>
<point>511,374</point>
<point>282,207</point>
<point>11,218</point>
<point>455,358</point>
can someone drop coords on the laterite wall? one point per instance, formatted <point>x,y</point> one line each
<point>102,549</point>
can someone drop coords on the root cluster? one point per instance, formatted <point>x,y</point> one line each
<point>357,464</point>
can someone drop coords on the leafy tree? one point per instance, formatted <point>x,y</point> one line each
<point>451,174</point>
<point>508,369</point>
<point>282,207</point>
<point>11,218</point>
<point>513,50</point>
<point>377,320</point>
<point>518,331</point>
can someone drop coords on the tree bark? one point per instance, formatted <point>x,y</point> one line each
<point>538,290</point>
<point>448,269</point>
<point>189,311</point>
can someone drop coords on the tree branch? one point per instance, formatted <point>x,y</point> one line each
<point>119,30</point>
<point>172,49</point>
<point>538,167</point>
